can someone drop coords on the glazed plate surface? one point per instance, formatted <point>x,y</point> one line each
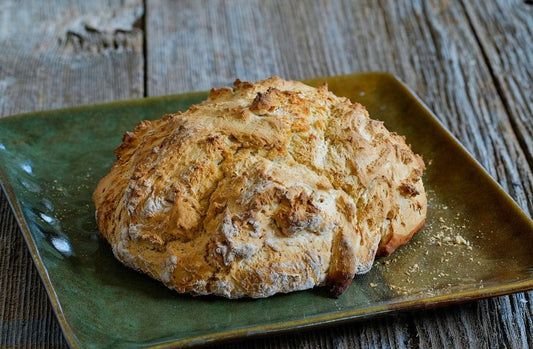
<point>476,243</point>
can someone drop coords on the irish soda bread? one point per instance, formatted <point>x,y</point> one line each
<point>266,187</point>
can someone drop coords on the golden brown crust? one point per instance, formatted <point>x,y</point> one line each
<point>396,240</point>
<point>264,188</point>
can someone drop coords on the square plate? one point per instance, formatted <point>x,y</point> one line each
<point>476,243</point>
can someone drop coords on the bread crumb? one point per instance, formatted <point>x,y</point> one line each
<point>373,285</point>
<point>414,268</point>
<point>460,240</point>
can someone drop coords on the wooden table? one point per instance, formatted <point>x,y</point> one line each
<point>470,61</point>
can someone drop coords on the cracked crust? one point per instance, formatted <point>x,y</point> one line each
<point>264,188</point>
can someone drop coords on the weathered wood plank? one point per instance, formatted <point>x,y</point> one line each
<point>429,45</point>
<point>504,31</point>
<point>69,53</point>
<point>53,55</point>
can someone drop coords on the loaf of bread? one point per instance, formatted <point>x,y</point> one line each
<point>264,188</point>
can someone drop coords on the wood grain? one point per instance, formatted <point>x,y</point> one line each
<point>471,62</point>
<point>504,31</point>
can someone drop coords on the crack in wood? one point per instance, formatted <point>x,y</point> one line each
<point>140,24</point>
<point>121,30</point>
<point>94,41</point>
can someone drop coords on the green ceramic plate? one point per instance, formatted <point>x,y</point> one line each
<point>477,242</point>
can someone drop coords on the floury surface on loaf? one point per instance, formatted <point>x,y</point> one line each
<point>264,188</point>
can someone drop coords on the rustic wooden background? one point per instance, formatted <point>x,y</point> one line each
<point>470,61</point>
